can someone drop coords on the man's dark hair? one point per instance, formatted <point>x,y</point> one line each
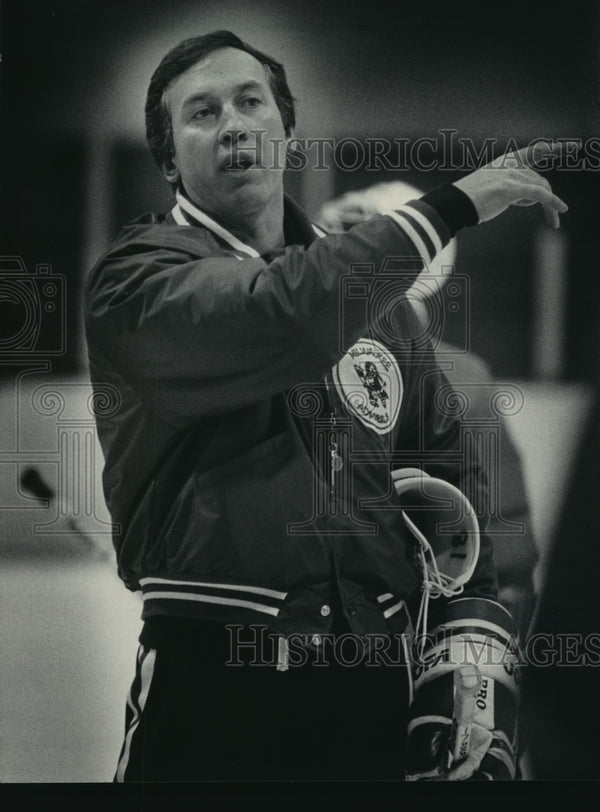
<point>159,133</point>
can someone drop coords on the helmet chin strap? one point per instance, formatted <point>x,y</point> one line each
<point>434,583</point>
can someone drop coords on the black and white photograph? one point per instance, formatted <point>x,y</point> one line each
<point>299,398</point>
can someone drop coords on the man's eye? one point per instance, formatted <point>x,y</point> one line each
<point>202,113</point>
<point>251,101</point>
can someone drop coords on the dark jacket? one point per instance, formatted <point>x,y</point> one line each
<point>259,404</point>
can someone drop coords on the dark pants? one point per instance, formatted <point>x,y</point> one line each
<point>191,717</point>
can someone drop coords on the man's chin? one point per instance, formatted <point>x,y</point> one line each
<point>240,197</point>
<point>253,175</point>
<point>250,195</point>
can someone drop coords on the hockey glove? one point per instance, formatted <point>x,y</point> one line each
<point>454,734</point>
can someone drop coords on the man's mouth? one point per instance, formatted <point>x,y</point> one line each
<point>237,163</point>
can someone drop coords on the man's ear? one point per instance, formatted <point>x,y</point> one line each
<point>170,171</point>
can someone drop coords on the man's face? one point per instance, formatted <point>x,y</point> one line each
<point>219,107</point>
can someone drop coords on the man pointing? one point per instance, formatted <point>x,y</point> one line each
<point>258,474</point>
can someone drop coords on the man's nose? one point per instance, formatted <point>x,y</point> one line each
<point>233,127</point>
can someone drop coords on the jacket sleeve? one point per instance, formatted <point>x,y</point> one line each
<point>439,446</point>
<point>197,335</point>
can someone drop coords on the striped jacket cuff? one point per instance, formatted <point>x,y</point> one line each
<point>431,222</point>
<point>452,205</point>
<point>424,228</point>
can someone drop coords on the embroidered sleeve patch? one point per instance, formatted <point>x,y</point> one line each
<point>369,381</point>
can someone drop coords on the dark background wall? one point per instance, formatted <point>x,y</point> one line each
<point>75,165</point>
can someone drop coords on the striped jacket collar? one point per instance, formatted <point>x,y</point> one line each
<point>298,230</point>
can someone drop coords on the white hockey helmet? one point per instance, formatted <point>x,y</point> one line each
<point>445,527</point>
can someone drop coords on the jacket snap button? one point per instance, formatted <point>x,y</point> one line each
<point>316,639</point>
<point>325,610</point>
